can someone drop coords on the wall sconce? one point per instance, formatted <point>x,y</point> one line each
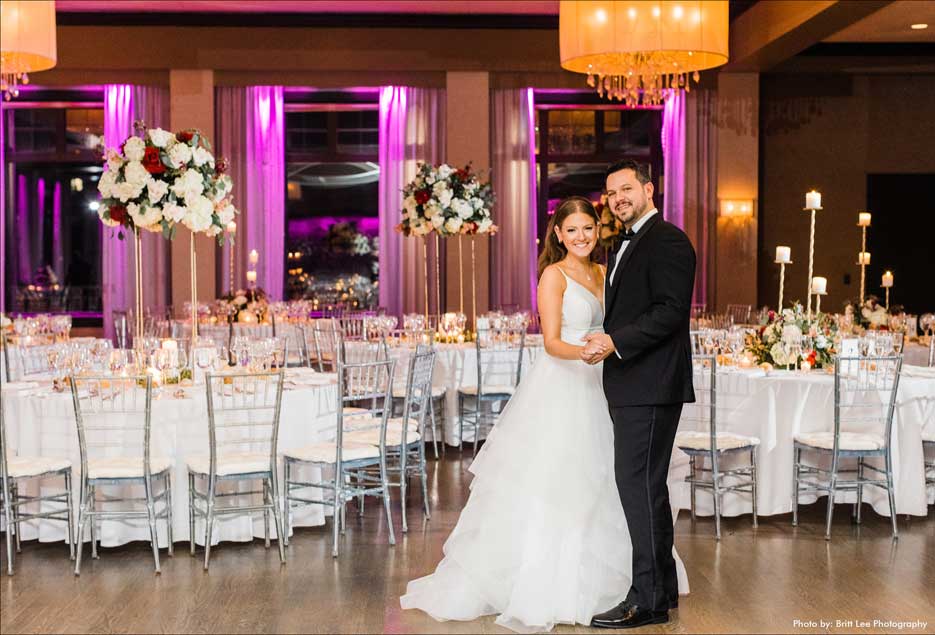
<point>737,208</point>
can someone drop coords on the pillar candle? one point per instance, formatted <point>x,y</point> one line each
<point>819,285</point>
<point>863,258</point>
<point>254,257</point>
<point>888,279</point>
<point>813,200</point>
<point>783,254</point>
<point>863,219</point>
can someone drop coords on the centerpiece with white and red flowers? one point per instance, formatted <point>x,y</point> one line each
<point>448,202</point>
<point>158,180</point>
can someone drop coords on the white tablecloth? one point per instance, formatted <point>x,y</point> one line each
<point>916,354</point>
<point>776,407</point>
<point>456,367</point>
<point>40,422</point>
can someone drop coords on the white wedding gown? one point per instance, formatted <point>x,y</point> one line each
<point>543,539</point>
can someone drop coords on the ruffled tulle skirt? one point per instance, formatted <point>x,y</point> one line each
<point>543,539</point>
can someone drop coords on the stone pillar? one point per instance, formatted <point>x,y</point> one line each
<point>191,105</point>
<point>737,178</point>
<point>468,139</point>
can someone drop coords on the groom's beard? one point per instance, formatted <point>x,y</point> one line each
<point>636,212</point>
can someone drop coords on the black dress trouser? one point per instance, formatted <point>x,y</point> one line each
<point>643,439</point>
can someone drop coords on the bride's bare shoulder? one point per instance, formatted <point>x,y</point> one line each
<point>552,277</point>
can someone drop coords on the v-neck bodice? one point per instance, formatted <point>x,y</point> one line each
<point>582,311</point>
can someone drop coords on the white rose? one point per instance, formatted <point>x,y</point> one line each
<point>114,160</point>
<point>778,353</point>
<point>438,220</point>
<point>461,208</point>
<point>126,191</point>
<point>180,154</point>
<point>189,185</point>
<point>452,225</point>
<point>157,189</point>
<point>174,212</point>
<point>477,203</point>
<point>199,214</point>
<point>134,172</point>
<point>144,217</point>
<point>484,226</point>
<point>134,149</point>
<point>225,214</point>
<point>160,138</point>
<point>409,204</point>
<point>222,187</point>
<point>431,209</point>
<point>444,171</point>
<point>470,187</point>
<point>441,191</point>
<point>106,185</point>
<point>106,221</point>
<point>430,178</point>
<point>201,156</point>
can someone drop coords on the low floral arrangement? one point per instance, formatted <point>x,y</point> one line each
<point>447,201</point>
<point>767,345</point>
<point>247,305</point>
<point>160,179</point>
<point>873,315</point>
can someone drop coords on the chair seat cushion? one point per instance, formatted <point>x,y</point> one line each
<point>848,440</point>
<point>358,413</point>
<point>394,436</point>
<point>371,423</point>
<point>694,440</point>
<point>125,467</point>
<point>488,390</point>
<point>399,392</point>
<point>25,466</point>
<point>326,452</point>
<point>230,464</point>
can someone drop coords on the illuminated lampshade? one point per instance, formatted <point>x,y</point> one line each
<point>27,42</point>
<point>633,51</point>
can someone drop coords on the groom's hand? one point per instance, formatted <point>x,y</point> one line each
<point>597,348</point>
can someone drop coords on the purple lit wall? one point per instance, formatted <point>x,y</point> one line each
<point>24,262</point>
<point>302,228</point>
<point>58,255</point>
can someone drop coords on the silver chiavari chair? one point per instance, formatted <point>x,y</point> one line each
<point>329,346</point>
<point>348,461</point>
<point>705,443</point>
<point>928,457</point>
<point>739,313</point>
<point>864,402</point>
<point>243,437</point>
<point>437,402</point>
<point>294,336</point>
<point>113,415</point>
<point>352,327</point>
<point>18,469</point>
<point>405,444</point>
<point>931,351</point>
<point>498,372</point>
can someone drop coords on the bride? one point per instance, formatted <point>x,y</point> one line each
<point>543,539</point>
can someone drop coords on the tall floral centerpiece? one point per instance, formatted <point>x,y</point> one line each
<point>157,180</point>
<point>448,202</point>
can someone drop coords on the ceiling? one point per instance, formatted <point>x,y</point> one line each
<point>459,7</point>
<point>892,24</point>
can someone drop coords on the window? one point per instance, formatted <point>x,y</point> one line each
<point>578,136</point>
<point>52,229</point>
<point>332,191</point>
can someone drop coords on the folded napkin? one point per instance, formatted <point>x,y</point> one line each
<point>918,371</point>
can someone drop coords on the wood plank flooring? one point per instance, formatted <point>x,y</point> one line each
<point>752,581</point>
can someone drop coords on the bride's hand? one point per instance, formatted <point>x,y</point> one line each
<point>598,346</point>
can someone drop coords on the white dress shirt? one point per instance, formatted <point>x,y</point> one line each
<point>623,246</point>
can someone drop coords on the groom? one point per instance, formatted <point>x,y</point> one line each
<point>647,378</point>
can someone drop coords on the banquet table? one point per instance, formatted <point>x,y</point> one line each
<point>40,422</point>
<point>775,406</point>
<point>456,367</point>
<point>916,354</point>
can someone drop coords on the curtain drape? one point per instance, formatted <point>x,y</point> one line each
<point>249,133</point>
<point>513,176</point>
<point>689,140</point>
<point>124,104</point>
<point>412,124</point>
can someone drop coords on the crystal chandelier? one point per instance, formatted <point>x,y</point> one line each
<point>27,42</point>
<point>639,52</point>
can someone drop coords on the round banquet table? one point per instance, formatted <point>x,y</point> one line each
<point>916,354</point>
<point>456,367</point>
<point>40,422</point>
<point>777,406</point>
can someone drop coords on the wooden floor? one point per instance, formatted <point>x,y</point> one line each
<point>749,582</point>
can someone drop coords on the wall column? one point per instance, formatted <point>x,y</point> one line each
<point>468,139</point>
<point>191,105</point>
<point>738,154</point>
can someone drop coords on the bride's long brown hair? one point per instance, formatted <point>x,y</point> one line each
<point>554,251</point>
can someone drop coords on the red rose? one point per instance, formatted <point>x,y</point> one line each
<point>220,167</point>
<point>152,162</point>
<point>185,136</point>
<point>462,174</point>
<point>812,357</point>
<point>118,214</point>
<point>422,197</point>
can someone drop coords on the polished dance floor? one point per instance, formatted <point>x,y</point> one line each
<point>777,579</point>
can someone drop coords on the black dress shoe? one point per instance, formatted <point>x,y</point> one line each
<point>628,615</point>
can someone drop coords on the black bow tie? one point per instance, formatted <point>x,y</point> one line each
<point>627,235</point>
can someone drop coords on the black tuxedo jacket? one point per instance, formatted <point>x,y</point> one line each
<point>647,314</point>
